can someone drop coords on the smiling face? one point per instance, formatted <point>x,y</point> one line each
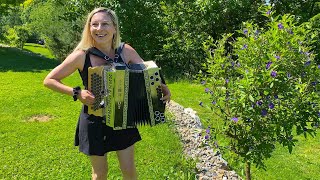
<point>102,28</point>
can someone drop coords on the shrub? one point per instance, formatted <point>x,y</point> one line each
<point>266,87</point>
<point>17,36</point>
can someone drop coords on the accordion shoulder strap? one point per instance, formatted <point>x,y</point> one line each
<point>97,52</point>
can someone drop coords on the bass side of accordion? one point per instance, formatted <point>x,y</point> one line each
<point>127,96</point>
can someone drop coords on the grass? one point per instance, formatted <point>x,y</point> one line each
<point>303,163</point>
<point>45,150</point>
<point>38,49</point>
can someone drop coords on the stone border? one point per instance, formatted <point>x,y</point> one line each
<point>209,162</point>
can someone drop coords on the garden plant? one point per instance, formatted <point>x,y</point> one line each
<point>264,85</point>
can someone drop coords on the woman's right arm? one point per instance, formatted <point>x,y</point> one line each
<point>53,80</point>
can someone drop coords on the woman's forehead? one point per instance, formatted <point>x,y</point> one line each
<point>101,16</point>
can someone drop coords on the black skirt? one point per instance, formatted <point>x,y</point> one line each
<point>94,137</point>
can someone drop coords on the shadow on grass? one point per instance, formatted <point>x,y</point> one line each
<point>16,60</point>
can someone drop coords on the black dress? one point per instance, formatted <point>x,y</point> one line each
<point>93,136</point>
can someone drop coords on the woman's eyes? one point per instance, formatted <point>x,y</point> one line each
<point>103,24</point>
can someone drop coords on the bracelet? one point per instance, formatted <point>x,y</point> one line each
<point>75,92</point>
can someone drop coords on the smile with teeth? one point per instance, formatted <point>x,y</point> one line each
<point>101,35</point>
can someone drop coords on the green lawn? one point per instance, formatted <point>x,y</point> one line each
<point>38,49</point>
<point>44,150</point>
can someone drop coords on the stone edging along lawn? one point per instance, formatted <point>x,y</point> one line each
<point>209,163</point>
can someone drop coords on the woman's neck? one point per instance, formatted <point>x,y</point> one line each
<point>106,49</point>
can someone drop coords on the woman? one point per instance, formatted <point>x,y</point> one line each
<point>93,137</point>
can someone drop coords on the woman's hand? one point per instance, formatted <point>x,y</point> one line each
<point>86,97</point>
<point>166,93</point>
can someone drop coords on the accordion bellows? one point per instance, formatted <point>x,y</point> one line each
<point>127,96</point>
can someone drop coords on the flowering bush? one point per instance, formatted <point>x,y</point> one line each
<point>264,85</point>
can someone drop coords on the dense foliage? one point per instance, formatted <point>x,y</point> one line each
<point>170,32</point>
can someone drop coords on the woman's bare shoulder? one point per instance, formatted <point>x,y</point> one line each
<point>76,58</point>
<point>131,55</point>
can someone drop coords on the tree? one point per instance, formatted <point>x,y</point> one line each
<point>7,5</point>
<point>187,24</point>
<point>303,10</point>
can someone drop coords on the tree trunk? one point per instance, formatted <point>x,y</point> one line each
<point>248,173</point>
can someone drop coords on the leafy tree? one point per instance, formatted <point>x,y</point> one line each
<point>9,20</point>
<point>141,26</point>
<point>303,10</point>
<point>266,88</point>
<point>45,19</point>
<point>188,23</point>
<point>7,5</point>
<point>17,36</point>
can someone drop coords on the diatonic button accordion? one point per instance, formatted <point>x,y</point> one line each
<point>127,95</point>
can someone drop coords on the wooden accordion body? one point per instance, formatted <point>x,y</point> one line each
<point>127,96</point>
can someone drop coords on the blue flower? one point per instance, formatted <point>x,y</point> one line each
<point>245,46</point>
<point>273,74</point>
<point>271,105</point>
<point>280,26</point>
<point>276,96</point>
<point>203,82</point>
<point>264,112</point>
<point>235,119</point>
<point>245,31</point>
<point>213,102</point>
<point>206,137</point>
<point>207,90</point>
<point>277,57</point>
<point>227,81</point>
<point>268,12</point>
<point>259,103</point>
<point>268,65</point>
<point>314,83</point>
<point>307,63</point>
<point>208,130</point>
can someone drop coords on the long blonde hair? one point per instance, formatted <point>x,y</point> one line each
<point>87,41</point>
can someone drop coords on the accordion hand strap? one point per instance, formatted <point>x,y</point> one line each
<point>97,52</point>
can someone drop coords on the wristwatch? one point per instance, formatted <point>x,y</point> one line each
<point>76,91</point>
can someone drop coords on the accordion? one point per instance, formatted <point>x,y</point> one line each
<point>127,95</point>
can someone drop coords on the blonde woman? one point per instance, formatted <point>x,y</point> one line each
<point>93,137</point>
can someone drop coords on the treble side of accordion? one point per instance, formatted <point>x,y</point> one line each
<point>127,97</point>
<point>95,85</point>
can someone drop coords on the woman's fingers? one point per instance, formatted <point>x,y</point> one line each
<point>86,97</point>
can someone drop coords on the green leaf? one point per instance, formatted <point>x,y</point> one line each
<point>251,98</point>
<point>271,85</point>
